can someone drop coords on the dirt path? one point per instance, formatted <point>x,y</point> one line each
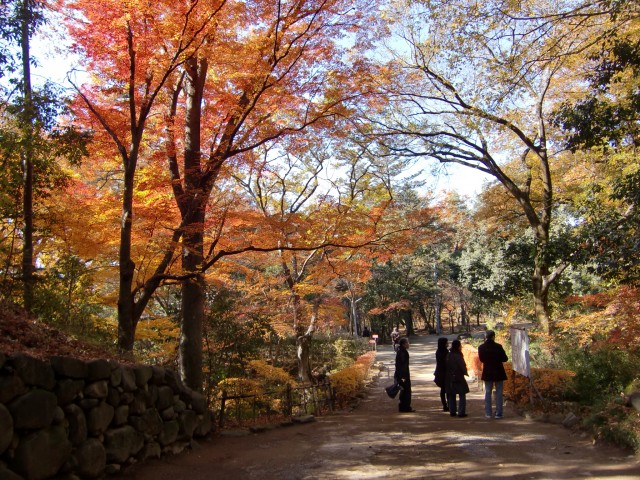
<point>376,442</point>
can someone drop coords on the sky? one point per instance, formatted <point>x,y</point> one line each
<point>463,180</point>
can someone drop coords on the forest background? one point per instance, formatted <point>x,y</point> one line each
<point>219,182</point>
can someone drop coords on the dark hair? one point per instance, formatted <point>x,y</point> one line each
<point>442,343</point>
<point>456,345</point>
<point>403,341</point>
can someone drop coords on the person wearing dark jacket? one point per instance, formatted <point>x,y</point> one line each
<point>441,370</point>
<point>402,377</point>
<point>492,356</point>
<point>455,381</point>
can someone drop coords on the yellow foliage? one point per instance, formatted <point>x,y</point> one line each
<point>269,374</point>
<point>552,384</point>
<point>349,381</point>
<point>240,386</point>
<point>157,329</point>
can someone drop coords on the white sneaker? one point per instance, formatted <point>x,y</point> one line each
<point>498,416</point>
<point>487,416</point>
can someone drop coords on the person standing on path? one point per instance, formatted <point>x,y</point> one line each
<point>395,337</point>
<point>455,381</point>
<point>492,356</point>
<point>441,370</point>
<point>402,377</point>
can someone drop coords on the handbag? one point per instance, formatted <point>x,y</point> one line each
<point>393,390</point>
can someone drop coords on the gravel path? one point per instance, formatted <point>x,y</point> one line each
<point>374,441</point>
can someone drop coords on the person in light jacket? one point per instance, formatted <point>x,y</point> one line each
<point>455,381</point>
<point>492,356</point>
<point>395,338</point>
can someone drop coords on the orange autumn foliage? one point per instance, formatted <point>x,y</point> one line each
<point>470,354</point>
<point>611,317</point>
<point>552,384</point>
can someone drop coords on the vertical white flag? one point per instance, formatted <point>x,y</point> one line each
<point>520,351</point>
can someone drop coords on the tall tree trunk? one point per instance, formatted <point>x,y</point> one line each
<point>407,315</point>
<point>437,302</point>
<point>540,287</point>
<point>290,275</point>
<point>193,289</point>
<point>126,303</point>
<point>28,268</point>
<point>303,344</point>
<point>357,328</point>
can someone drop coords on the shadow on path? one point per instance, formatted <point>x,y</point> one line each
<point>374,441</point>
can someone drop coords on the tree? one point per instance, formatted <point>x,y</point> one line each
<point>20,27</point>
<point>322,226</point>
<point>260,72</point>
<point>287,75</point>
<point>404,280</point>
<point>603,125</point>
<point>30,137</point>
<point>138,49</point>
<point>476,89</point>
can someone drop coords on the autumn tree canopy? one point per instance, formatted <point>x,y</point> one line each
<point>477,84</point>
<point>269,158</point>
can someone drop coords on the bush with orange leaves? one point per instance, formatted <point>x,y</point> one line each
<point>348,382</point>
<point>470,354</point>
<point>552,384</point>
<point>611,317</point>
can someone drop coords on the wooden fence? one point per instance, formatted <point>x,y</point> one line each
<point>275,404</point>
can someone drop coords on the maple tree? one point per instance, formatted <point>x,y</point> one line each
<point>286,75</point>
<point>233,87</point>
<point>325,227</point>
<point>141,48</point>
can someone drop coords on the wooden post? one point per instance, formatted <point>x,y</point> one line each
<point>328,390</point>
<point>222,405</point>
<point>289,400</point>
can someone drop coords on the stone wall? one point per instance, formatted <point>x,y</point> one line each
<point>66,418</point>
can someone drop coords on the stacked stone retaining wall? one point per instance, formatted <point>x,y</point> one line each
<point>67,418</point>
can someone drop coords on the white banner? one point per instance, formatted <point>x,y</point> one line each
<point>520,351</point>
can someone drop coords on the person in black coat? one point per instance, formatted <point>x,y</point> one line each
<point>402,376</point>
<point>492,356</point>
<point>441,370</point>
<point>455,381</point>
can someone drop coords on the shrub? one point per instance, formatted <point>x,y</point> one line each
<point>231,340</point>
<point>553,384</point>
<point>347,350</point>
<point>601,372</point>
<point>239,387</point>
<point>616,424</point>
<point>268,374</point>
<point>472,360</point>
<point>349,381</point>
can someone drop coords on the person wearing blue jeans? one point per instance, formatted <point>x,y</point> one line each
<point>488,389</point>
<point>492,356</point>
